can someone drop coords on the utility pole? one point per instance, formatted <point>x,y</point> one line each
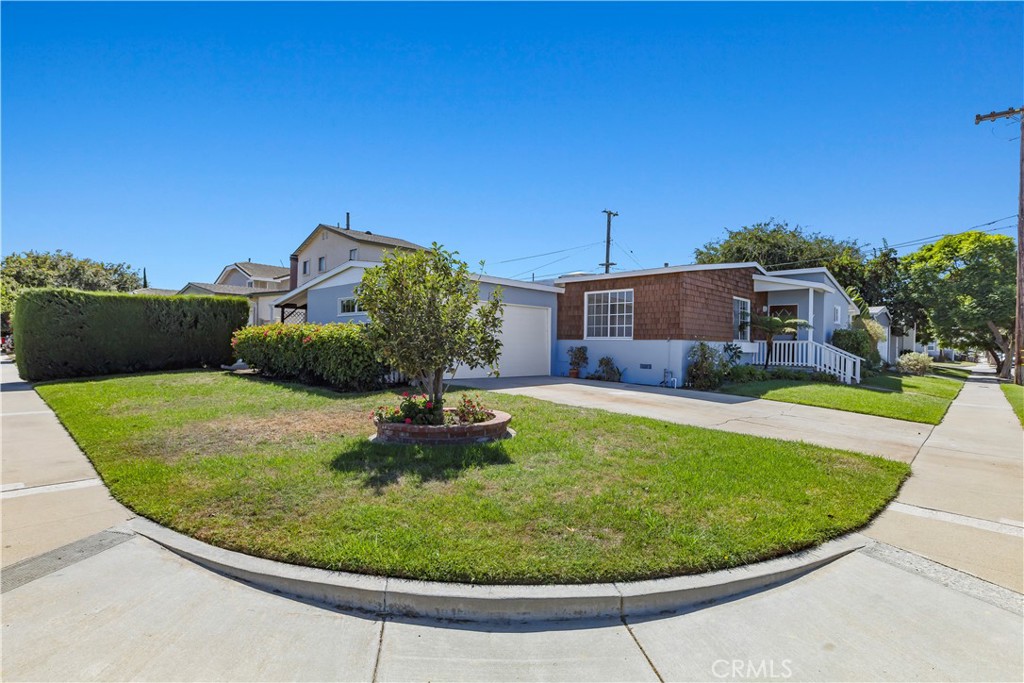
<point>1018,327</point>
<point>608,242</point>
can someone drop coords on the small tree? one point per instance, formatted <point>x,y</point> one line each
<point>426,317</point>
<point>774,325</point>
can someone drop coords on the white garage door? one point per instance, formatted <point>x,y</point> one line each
<point>526,344</point>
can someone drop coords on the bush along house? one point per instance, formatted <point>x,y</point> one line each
<point>647,321</point>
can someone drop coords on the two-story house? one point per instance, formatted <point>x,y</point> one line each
<point>329,264</point>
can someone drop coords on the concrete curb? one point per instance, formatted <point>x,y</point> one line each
<point>468,602</point>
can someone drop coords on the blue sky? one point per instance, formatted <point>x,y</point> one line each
<point>182,137</point>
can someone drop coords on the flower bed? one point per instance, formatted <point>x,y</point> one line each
<point>492,429</point>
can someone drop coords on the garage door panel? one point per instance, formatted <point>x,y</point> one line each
<point>525,344</point>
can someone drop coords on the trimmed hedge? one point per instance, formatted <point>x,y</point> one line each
<point>339,354</point>
<point>70,333</point>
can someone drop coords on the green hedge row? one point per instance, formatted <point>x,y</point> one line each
<point>338,354</point>
<point>69,333</point>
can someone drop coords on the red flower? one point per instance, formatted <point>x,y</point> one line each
<point>406,394</point>
<point>306,340</point>
<point>429,405</point>
<point>408,420</point>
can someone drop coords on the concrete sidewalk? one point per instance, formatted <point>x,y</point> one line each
<point>964,504</point>
<point>51,495</point>
<point>138,612</point>
<point>894,439</point>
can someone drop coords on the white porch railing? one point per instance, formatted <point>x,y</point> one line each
<point>811,354</point>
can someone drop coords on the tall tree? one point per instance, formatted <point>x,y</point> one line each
<point>426,317</point>
<point>776,246</point>
<point>60,269</point>
<point>967,284</point>
<point>886,282</point>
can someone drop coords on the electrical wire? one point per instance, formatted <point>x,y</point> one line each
<point>628,253</point>
<point>551,253</point>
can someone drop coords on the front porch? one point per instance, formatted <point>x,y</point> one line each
<point>806,353</point>
<point>810,295</point>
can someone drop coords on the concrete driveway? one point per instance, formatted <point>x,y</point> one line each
<point>894,439</point>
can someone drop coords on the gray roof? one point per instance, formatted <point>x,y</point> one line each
<point>365,236</point>
<point>261,269</point>
<point>875,309</point>
<point>155,291</point>
<point>232,290</point>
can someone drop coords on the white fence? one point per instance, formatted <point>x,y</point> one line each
<point>811,354</point>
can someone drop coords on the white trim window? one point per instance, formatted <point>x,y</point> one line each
<point>837,315</point>
<point>305,267</point>
<point>740,319</point>
<point>608,315</point>
<point>349,306</point>
<point>353,254</point>
<point>321,264</point>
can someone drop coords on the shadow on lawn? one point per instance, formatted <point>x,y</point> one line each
<point>381,465</point>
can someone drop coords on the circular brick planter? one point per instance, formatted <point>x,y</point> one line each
<point>480,432</point>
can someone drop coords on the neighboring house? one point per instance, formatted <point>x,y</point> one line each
<point>264,282</point>
<point>935,350</point>
<point>261,301</point>
<point>253,275</point>
<point>648,320</point>
<point>527,335</point>
<point>155,291</point>
<point>880,314</point>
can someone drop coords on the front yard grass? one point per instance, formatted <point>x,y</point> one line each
<point>286,472</point>
<point>1015,395</point>
<point>917,399</point>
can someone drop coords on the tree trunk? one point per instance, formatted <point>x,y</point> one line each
<point>767,349</point>
<point>1005,344</point>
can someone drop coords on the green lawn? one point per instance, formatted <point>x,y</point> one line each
<point>917,399</point>
<point>1015,395</point>
<point>286,472</point>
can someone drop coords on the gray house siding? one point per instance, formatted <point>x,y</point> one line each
<point>322,305</point>
<point>824,304</point>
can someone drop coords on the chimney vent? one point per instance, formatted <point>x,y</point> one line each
<point>348,221</point>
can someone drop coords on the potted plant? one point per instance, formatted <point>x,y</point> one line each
<point>577,360</point>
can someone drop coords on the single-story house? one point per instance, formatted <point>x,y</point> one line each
<point>259,282</point>
<point>647,321</point>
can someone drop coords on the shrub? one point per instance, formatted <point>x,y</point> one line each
<point>788,373</point>
<point>607,371</point>
<point>339,354</point>
<point>914,364</point>
<point>708,367</point>
<point>859,342</point>
<point>70,333</point>
<point>747,373</point>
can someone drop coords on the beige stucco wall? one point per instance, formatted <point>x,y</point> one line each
<point>336,249</point>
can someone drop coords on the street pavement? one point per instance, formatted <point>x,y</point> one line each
<point>85,599</point>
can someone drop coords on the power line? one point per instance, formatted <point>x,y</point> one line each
<point>628,252</point>
<point>550,253</point>
<point>910,243</point>
<point>532,270</point>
